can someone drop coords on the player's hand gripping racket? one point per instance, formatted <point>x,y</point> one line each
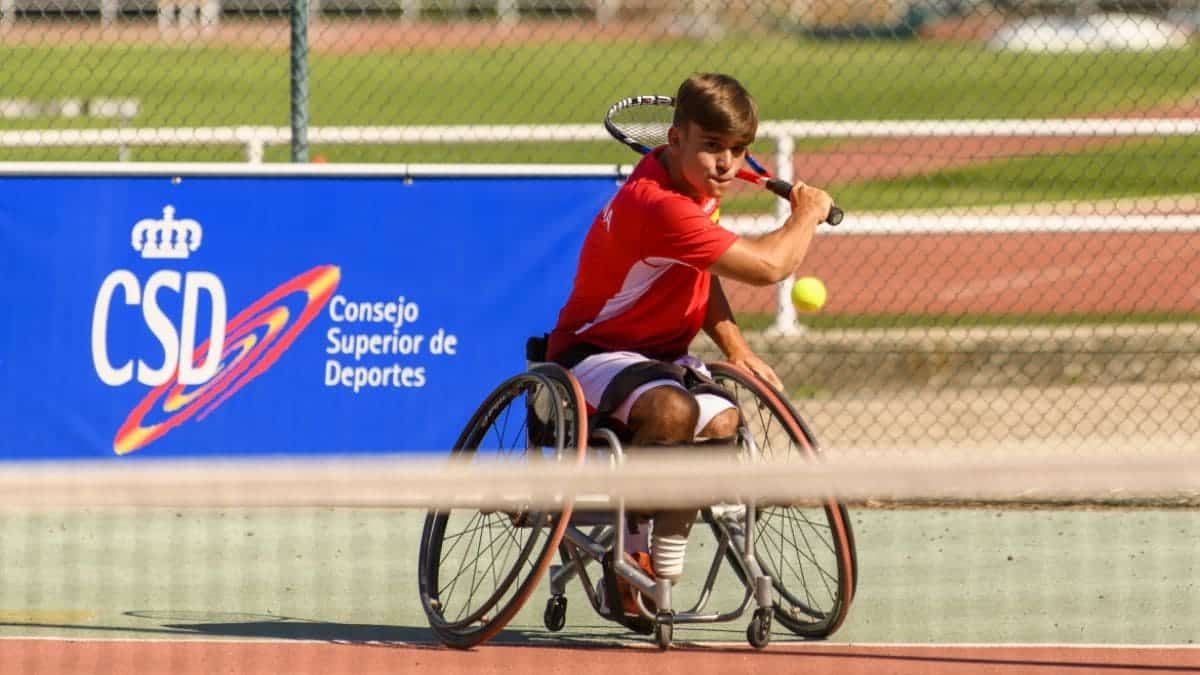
<point>641,122</point>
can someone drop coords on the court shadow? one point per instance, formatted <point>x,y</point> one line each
<point>583,639</point>
<point>605,634</point>
<point>584,635</point>
<point>277,627</point>
<point>239,625</point>
<point>324,632</point>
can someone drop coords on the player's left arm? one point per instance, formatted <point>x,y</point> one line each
<point>723,329</point>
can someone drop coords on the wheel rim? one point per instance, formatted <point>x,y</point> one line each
<point>475,557</point>
<point>460,576</point>
<point>468,601</point>
<point>796,545</point>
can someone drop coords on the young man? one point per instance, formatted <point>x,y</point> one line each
<point>645,286</point>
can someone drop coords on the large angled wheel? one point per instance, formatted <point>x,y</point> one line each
<point>476,569</point>
<point>806,548</point>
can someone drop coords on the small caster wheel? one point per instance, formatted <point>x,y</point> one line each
<point>555,616</point>
<point>664,628</point>
<point>758,633</point>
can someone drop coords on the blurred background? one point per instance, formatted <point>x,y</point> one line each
<point>1020,262</point>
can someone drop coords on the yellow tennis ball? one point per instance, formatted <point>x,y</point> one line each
<point>808,294</point>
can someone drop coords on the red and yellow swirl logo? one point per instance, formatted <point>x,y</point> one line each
<point>254,341</point>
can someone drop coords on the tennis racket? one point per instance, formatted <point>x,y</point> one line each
<point>641,122</point>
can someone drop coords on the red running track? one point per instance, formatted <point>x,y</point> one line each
<point>62,657</point>
<point>999,273</point>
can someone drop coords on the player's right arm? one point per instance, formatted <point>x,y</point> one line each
<point>769,258</point>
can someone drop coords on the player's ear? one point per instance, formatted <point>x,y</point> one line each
<point>674,139</point>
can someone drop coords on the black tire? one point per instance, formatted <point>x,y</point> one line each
<point>806,549</point>
<point>555,615</point>
<point>476,569</point>
<point>758,633</point>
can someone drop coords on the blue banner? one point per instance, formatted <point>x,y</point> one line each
<point>152,316</point>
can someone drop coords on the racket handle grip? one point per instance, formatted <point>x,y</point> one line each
<point>781,188</point>
<point>784,190</point>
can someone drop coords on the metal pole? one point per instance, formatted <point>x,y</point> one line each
<point>785,314</point>
<point>110,10</point>
<point>299,68</point>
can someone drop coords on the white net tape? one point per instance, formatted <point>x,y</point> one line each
<point>1099,474</point>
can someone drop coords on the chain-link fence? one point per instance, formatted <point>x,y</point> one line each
<point>1022,257</point>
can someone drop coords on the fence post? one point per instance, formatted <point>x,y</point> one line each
<point>299,79</point>
<point>255,148</point>
<point>410,10</point>
<point>506,11</point>
<point>785,314</point>
<point>606,10</point>
<point>210,14</point>
<point>110,11</point>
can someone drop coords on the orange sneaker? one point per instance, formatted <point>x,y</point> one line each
<point>617,590</point>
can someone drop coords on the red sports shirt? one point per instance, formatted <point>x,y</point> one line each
<point>642,283</point>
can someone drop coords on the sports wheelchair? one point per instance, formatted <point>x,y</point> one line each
<point>476,569</point>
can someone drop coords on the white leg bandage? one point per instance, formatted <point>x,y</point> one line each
<point>666,554</point>
<point>668,542</point>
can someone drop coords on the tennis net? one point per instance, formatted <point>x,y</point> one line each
<point>991,545</point>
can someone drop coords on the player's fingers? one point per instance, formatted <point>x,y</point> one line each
<point>806,198</point>
<point>774,380</point>
<point>766,373</point>
<point>797,194</point>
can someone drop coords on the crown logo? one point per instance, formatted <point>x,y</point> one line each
<point>166,238</point>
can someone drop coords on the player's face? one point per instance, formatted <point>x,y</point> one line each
<point>708,161</point>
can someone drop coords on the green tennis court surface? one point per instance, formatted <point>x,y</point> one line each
<point>926,576</point>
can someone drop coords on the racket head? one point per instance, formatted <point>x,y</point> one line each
<point>641,122</point>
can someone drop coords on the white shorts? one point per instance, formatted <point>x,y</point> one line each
<point>596,372</point>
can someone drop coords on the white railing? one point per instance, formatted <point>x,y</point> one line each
<point>183,14</point>
<point>783,134</point>
<point>256,139</point>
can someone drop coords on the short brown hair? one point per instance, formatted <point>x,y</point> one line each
<point>717,103</point>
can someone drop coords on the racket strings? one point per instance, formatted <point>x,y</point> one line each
<point>645,124</point>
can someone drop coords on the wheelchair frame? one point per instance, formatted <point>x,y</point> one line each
<point>551,391</point>
<point>608,535</point>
